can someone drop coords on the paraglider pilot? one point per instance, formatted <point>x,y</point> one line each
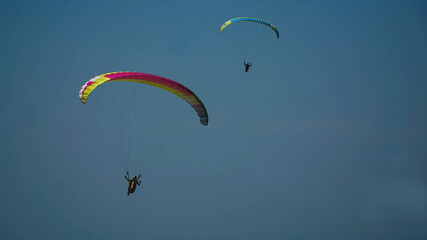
<point>247,66</point>
<point>133,182</point>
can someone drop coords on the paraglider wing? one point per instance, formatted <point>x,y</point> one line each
<point>250,19</point>
<point>149,79</point>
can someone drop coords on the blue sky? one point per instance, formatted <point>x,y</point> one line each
<point>325,138</point>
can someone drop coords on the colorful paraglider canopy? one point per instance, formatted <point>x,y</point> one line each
<point>249,19</point>
<point>149,79</point>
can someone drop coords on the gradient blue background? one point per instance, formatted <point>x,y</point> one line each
<point>325,138</point>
